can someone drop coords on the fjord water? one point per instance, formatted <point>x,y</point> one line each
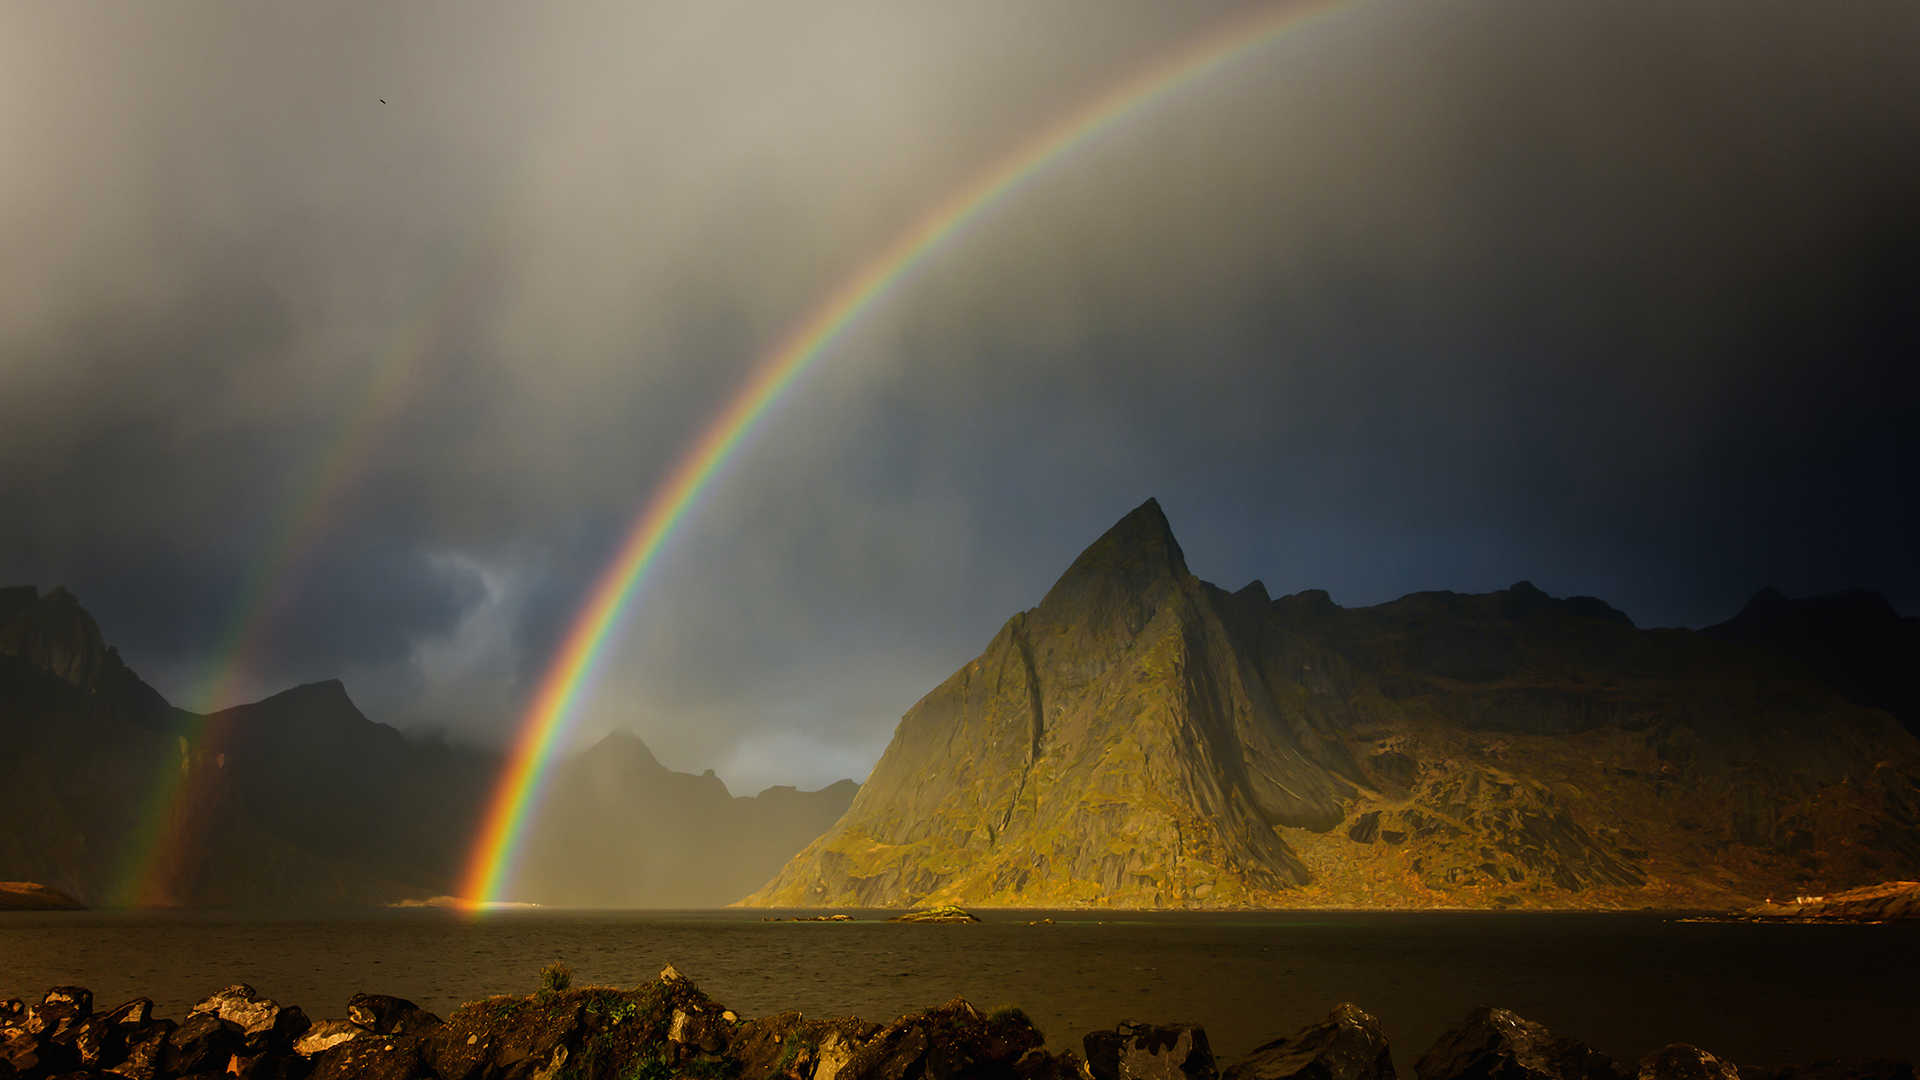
<point>1762,995</point>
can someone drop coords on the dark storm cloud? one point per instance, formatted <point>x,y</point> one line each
<point>1618,298</point>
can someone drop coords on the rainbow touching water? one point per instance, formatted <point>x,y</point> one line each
<point>172,817</point>
<point>519,787</point>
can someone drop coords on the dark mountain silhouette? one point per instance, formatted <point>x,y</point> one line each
<point>705,847</point>
<point>1142,738</point>
<point>1853,640</point>
<point>299,800</point>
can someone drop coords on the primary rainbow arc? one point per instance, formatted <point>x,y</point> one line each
<point>518,789</point>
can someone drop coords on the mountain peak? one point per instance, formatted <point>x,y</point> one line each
<point>53,633</point>
<point>1769,605</point>
<point>324,693</point>
<point>1135,554</point>
<point>627,748</point>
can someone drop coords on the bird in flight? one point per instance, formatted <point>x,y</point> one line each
<point>383,101</point>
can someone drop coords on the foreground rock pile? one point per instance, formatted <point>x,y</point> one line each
<point>669,1030</point>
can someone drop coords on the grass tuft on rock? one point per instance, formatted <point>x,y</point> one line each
<point>556,978</point>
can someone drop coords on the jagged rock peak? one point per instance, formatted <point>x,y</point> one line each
<point>53,633</point>
<point>1307,602</point>
<point>1137,553</point>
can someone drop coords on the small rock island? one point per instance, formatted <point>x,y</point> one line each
<point>937,913</point>
<point>33,896</point>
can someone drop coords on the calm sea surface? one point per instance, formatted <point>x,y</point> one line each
<point>1762,995</point>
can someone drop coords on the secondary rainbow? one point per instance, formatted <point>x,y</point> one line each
<point>518,789</point>
<point>170,822</point>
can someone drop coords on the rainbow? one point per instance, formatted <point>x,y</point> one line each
<point>519,787</point>
<point>156,854</point>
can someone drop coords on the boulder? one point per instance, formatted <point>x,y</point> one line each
<point>786,1044</point>
<point>1149,1052</point>
<point>263,1022</point>
<point>96,1041</point>
<point>1679,1061</point>
<point>203,1043</point>
<point>23,1053</point>
<point>13,1013</point>
<point>146,1048</point>
<point>59,1011</point>
<point>1040,1065</point>
<point>325,1035</point>
<point>833,1050</point>
<point>384,1014</point>
<point>1348,1045</point>
<point>699,1026</point>
<point>1494,1044</point>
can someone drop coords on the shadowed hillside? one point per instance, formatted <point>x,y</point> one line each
<point>111,795</point>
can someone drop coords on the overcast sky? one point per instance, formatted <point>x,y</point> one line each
<point>1612,297</point>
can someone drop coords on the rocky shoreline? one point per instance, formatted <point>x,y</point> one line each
<point>669,1030</point>
<point>1888,901</point>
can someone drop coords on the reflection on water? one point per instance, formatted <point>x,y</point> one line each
<point>1625,983</point>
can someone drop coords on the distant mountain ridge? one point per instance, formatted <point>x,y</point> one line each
<point>1144,739</point>
<point>299,800</point>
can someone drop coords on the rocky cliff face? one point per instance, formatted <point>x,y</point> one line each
<point>54,635</point>
<point>1144,739</point>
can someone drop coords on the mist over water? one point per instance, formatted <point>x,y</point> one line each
<point>1628,984</point>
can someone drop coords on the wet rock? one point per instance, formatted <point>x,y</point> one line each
<point>325,1035</point>
<point>1679,1061</point>
<point>1150,1052</point>
<point>263,1022</point>
<point>380,1057</point>
<point>1495,1044</point>
<point>384,1014</point>
<point>13,1013</point>
<point>1348,1045</point>
<point>203,1043</point>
